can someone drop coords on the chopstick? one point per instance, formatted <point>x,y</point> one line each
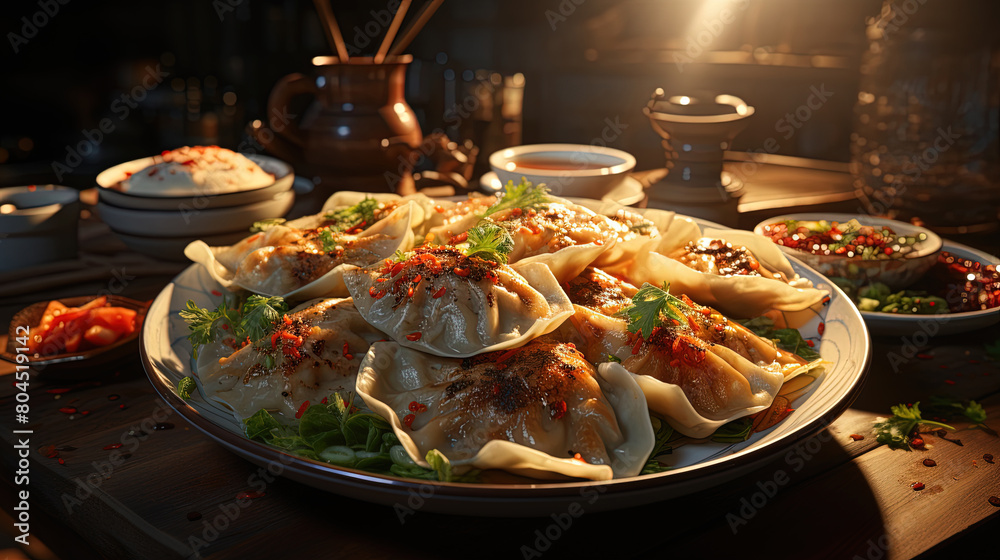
<point>415,26</point>
<point>397,20</point>
<point>332,30</point>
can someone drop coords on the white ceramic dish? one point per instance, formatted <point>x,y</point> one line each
<point>166,356</point>
<point>627,192</point>
<point>172,248</point>
<point>893,324</point>
<point>590,171</point>
<point>38,224</point>
<point>191,221</point>
<point>107,179</point>
<point>896,273</point>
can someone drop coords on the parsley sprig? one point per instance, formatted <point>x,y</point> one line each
<point>649,307</point>
<point>524,195</point>
<point>253,318</point>
<point>490,242</point>
<point>896,430</point>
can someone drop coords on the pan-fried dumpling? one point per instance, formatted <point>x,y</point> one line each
<point>699,372</point>
<point>314,354</point>
<point>535,410</point>
<point>741,274</point>
<point>440,301</point>
<point>306,257</point>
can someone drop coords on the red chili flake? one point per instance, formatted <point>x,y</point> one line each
<point>408,420</point>
<point>925,356</point>
<point>988,457</point>
<point>917,442</point>
<point>692,324</point>
<point>225,327</point>
<point>112,446</point>
<point>675,363</point>
<point>856,437</point>
<point>324,401</point>
<point>557,409</point>
<point>249,495</point>
<point>302,409</point>
<point>409,292</point>
<point>58,391</point>
<point>287,319</point>
<point>121,407</point>
<point>516,212</point>
<point>372,291</point>
<point>413,337</point>
<point>821,328</point>
<point>826,300</point>
<point>949,381</point>
<point>930,463</point>
<point>943,366</point>
<point>347,352</point>
<point>380,295</point>
<point>719,327</point>
<point>439,209</point>
<point>705,311</point>
<point>810,343</point>
<point>503,357</point>
<point>917,486</point>
<point>381,279</point>
<point>438,293</point>
<point>637,346</point>
<point>216,293</point>
<point>84,412</point>
<point>68,410</point>
<point>113,397</point>
<point>274,339</point>
<point>459,238</point>
<point>61,461</point>
<point>578,457</point>
<point>417,278</point>
<point>463,272</point>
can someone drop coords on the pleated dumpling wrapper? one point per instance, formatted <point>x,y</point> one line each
<point>640,230</point>
<point>441,301</point>
<point>313,354</point>
<point>308,257</point>
<point>426,214</point>
<point>698,369</point>
<point>545,229</point>
<point>742,274</point>
<point>540,410</point>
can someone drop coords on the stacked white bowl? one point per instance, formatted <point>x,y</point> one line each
<point>161,224</point>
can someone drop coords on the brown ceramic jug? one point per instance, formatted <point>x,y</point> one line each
<point>357,133</point>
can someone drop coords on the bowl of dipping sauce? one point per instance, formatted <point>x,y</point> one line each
<point>579,170</point>
<point>38,225</point>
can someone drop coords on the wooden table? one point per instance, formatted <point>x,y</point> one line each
<point>175,494</point>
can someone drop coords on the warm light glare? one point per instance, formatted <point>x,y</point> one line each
<point>7,208</point>
<point>684,100</point>
<point>510,166</point>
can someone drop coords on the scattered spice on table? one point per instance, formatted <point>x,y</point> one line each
<point>930,463</point>
<point>856,437</point>
<point>917,486</point>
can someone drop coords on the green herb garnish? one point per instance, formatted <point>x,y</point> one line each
<point>490,242</point>
<point>789,340</point>
<point>663,434</point>
<point>329,241</point>
<point>399,256</point>
<point>340,434</point>
<point>524,195</point>
<point>264,225</point>
<point>896,430</point>
<point>734,432</point>
<point>253,319</point>
<point>649,305</point>
<point>615,359</point>
<point>185,386</point>
<point>361,214</point>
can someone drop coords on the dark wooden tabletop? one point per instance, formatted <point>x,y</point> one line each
<point>174,493</point>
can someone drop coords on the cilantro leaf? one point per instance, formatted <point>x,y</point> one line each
<point>524,195</point>
<point>490,242</point>
<point>205,325</point>
<point>260,313</point>
<point>896,430</point>
<point>663,434</point>
<point>329,240</point>
<point>734,432</point>
<point>789,340</point>
<point>647,306</point>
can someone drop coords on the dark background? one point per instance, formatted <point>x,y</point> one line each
<point>583,65</point>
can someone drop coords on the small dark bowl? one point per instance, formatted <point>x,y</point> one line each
<point>32,316</point>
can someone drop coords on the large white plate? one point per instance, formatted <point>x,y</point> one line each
<point>166,356</point>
